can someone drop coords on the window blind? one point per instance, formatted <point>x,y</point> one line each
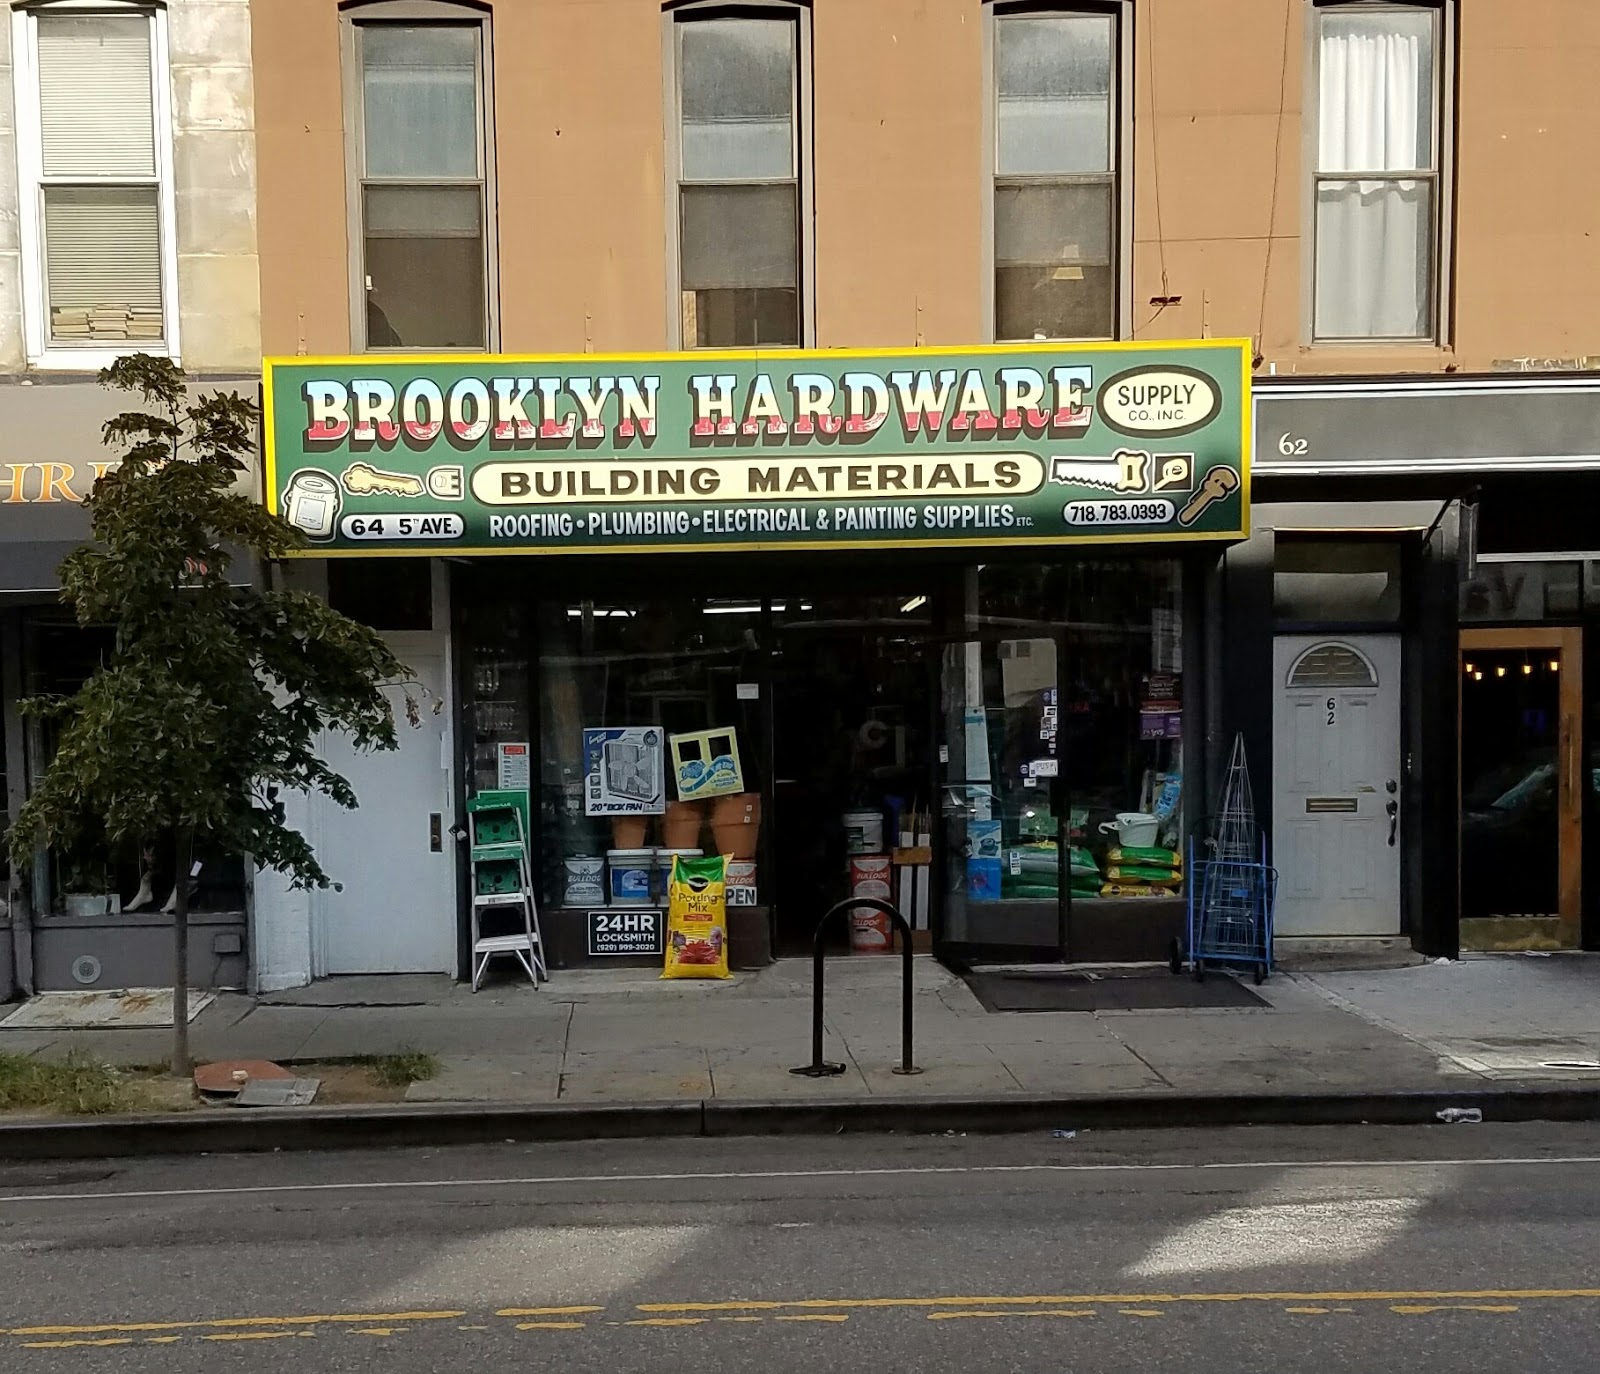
<point>103,262</point>
<point>95,109</point>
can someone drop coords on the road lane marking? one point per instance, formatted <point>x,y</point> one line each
<point>963,1316</point>
<point>249,1336</point>
<point>1121,1300</point>
<point>772,1175</point>
<point>832,1311</point>
<point>547,1311</point>
<point>1423,1309</point>
<point>341,1318</point>
<point>64,1345</point>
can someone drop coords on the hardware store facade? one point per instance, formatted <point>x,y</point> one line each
<point>938,618</point>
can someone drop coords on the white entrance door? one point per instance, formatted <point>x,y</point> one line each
<point>1336,784</point>
<point>397,912</point>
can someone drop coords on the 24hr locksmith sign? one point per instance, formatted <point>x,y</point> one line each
<point>723,450</point>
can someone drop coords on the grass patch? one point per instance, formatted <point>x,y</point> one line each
<point>76,1085</point>
<point>401,1069</point>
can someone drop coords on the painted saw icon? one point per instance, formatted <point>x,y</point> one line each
<point>1126,470</point>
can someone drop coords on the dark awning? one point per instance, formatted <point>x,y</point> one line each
<point>1427,426</point>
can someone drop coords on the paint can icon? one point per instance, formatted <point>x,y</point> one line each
<point>311,504</point>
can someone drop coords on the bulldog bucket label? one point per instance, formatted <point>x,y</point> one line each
<point>1029,445</point>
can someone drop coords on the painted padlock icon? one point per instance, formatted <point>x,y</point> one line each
<point>311,504</point>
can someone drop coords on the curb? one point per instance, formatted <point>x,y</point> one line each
<point>228,1131</point>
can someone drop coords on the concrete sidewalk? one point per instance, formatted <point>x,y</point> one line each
<point>620,1037</point>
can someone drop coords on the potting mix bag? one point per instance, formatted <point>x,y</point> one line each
<point>697,918</point>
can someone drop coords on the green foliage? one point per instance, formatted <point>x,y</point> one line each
<point>401,1069</point>
<point>76,1084</point>
<point>213,699</point>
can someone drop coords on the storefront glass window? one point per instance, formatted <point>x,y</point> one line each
<point>643,702</point>
<point>1514,592</point>
<point>94,877</point>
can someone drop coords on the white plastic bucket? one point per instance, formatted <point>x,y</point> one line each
<point>863,832</point>
<point>586,880</point>
<point>629,871</point>
<point>1134,829</point>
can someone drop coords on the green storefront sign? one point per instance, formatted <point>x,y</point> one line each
<point>1034,445</point>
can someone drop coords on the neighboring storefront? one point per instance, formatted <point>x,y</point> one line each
<point>89,919</point>
<point>936,616</point>
<point>1430,556</point>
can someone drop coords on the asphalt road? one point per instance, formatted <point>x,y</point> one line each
<point>1464,1247</point>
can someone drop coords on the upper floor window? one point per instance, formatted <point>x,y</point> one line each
<point>738,182</point>
<point>1056,212</point>
<point>420,196</point>
<point>1377,180</point>
<point>95,178</point>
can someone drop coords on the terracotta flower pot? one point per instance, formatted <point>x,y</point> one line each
<point>680,827</point>
<point>627,832</point>
<point>736,824</point>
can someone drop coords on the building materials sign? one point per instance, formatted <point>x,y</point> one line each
<point>717,450</point>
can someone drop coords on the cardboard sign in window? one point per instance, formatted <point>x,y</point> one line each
<point>706,764</point>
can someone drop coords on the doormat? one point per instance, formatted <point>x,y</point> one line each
<point>121,1009</point>
<point>1074,991</point>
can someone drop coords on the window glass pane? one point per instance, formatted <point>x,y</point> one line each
<point>1374,259</point>
<point>424,249</point>
<point>1523,591</point>
<point>738,236</point>
<point>95,112</point>
<point>1376,108</point>
<point>1336,580</point>
<point>1053,82</point>
<point>1053,276</point>
<point>668,662</point>
<point>419,91</point>
<point>739,271</point>
<point>102,248</point>
<point>737,95</point>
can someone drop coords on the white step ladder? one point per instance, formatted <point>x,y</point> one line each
<point>502,882</point>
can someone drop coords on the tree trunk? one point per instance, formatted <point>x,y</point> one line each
<point>181,1067</point>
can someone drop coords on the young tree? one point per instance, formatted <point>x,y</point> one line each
<point>210,702</point>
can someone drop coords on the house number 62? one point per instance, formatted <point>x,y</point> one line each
<point>1331,705</point>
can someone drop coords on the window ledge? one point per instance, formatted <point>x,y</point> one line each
<point>91,359</point>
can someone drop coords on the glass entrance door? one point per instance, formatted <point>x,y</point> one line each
<point>853,755</point>
<point>1521,789</point>
<point>1006,868</point>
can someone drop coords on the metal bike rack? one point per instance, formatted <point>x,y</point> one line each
<point>818,1067</point>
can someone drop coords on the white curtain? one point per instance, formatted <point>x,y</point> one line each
<point>1375,235</point>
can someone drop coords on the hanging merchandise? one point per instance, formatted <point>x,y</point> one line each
<point>706,764</point>
<point>622,768</point>
<point>697,919</point>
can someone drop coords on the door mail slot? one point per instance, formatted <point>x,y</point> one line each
<point>1332,806</point>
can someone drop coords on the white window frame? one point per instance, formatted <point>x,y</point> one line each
<point>452,13</point>
<point>1441,175</point>
<point>41,351</point>
<point>673,18</point>
<point>1121,14</point>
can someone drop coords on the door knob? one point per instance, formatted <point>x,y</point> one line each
<point>1393,810</point>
